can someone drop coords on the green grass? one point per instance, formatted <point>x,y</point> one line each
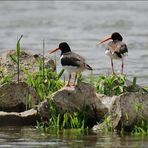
<point>115,85</point>
<point>45,84</point>
<point>62,121</point>
<point>75,120</point>
<point>16,58</point>
<point>141,128</point>
<point>110,85</point>
<point>6,78</point>
<point>66,121</point>
<point>47,81</point>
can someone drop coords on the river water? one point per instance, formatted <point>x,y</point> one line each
<point>82,24</point>
<point>22,137</point>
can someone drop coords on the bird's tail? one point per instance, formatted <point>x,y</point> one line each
<point>88,67</point>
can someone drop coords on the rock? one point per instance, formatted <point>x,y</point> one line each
<point>28,117</point>
<point>81,98</point>
<point>120,110</point>
<point>27,61</point>
<point>44,110</point>
<point>129,108</point>
<point>125,110</point>
<point>17,97</point>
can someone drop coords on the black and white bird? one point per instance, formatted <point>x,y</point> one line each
<point>71,61</point>
<point>116,49</point>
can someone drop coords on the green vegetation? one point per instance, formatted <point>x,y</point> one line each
<point>46,81</point>
<point>44,84</point>
<point>63,121</point>
<point>116,85</point>
<point>110,85</point>
<point>16,58</point>
<point>66,120</point>
<point>5,78</point>
<point>141,128</point>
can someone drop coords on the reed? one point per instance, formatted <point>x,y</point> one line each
<point>16,58</point>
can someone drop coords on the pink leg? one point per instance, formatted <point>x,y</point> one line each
<point>69,80</point>
<point>112,66</point>
<point>122,66</point>
<point>75,79</point>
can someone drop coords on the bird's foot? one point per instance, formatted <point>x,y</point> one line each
<point>123,74</point>
<point>113,73</point>
<point>70,85</point>
<point>73,85</point>
<point>67,85</point>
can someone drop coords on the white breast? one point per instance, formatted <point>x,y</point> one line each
<point>113,55</point>
<point>71,69</point>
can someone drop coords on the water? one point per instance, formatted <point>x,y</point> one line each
<point>30,137</point>
<point>82,24</point>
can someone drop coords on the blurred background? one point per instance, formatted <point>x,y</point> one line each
<point>82,24</point>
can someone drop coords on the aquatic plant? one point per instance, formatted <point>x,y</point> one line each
<point>92,79</point>
<point>5,78</point>
<point>45,81</point>
<point>62,121</point>
<point>44,84</point>
<point>75,120</point>
<point>110,85</point>
<point>16,58</point>
<point>141,128</point>
<point>80,78</point>
<point>116,85</point>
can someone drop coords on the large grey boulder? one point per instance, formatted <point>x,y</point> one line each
<point>81,98</point>
<point>27,61</point>
<point>17,97</point>
<point>129,108</point>
<point>44,110</point>
<point>125,110</point>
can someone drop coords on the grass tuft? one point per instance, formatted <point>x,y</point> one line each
<point>110,85</point>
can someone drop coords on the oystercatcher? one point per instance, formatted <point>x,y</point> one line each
<point>116,49</point>
<point>71,61</point>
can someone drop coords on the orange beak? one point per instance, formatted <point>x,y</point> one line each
<point>54,50</point>
<point>105,40</point>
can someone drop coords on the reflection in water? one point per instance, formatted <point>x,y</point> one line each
<point>31,137</point>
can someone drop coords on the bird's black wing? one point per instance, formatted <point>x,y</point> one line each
<point>121,49</point>
<point>72,59</point>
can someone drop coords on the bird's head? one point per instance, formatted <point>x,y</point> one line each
<point>114,36</point>
<point>64,47</point>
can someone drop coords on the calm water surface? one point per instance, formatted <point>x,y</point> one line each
<point>30,137</point>
<point>81,24</point>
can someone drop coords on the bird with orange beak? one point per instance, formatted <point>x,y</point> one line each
<point>71,61</point>
<point>116,49</point>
